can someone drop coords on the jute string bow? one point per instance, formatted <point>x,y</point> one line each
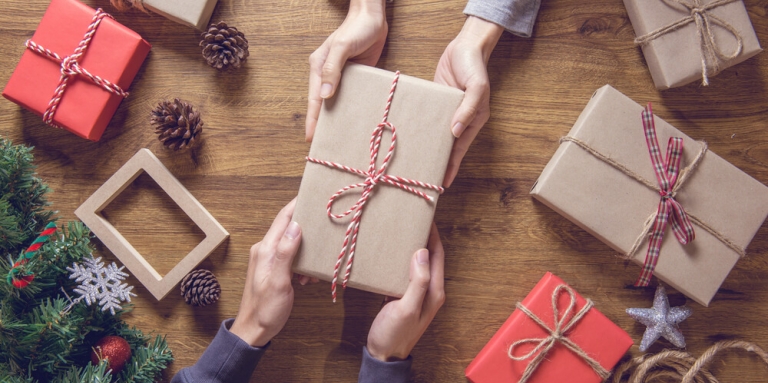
<point>669,183</point>
<point>556,335</point>
<point>711,54</point>
<point>70,67</point>
<point>373,177</point>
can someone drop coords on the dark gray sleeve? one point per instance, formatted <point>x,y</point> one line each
<point>228,359</point>
<point>516,16</point>
<point>375,371</point>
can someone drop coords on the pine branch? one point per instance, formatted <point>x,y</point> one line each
<point>147,362</point>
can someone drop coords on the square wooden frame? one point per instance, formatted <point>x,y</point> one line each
<point>145,161</point>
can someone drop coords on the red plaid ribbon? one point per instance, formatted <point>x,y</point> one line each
<point>669,211</point>
<point>373,177</point>
<point>70,67</point>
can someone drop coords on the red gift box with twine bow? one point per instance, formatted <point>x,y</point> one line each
<point>581,345</point>
<point>77,68</point>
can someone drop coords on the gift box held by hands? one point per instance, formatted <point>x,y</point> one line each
<point>554,335</point>
<point>77,68</point>
<point>393,198</point>
<point>603,179</point>
<point>688,40</point>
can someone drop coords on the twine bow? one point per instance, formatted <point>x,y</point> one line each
<point>556,335</point>
<point>701,16</point>
<point>669,210</point>
<point>17,277</point>
<point>70,67</point>
<point>373,177</point>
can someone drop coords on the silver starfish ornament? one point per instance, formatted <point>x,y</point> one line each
<point>661,321</point>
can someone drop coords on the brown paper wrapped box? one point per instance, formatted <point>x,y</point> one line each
<point>394,223</point>
<point>674,58</point>
<point>614,207</point>
<point>194,13</point>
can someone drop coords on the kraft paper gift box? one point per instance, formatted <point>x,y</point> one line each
<point>615,207</point>
<point>193,13</point>
<point>115,54</point>
<point>394,223</point>
<point>675,56</point>
<point>593,333</point>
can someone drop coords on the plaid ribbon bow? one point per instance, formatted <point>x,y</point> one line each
<point>373,177</point>
<point>669,211</point>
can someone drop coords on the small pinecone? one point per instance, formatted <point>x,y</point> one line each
<point>177,124</point>
<point>224,46</point>
<point>200,288</point>
<point>124,5</point>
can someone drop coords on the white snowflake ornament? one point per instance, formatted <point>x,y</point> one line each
<point>101,284</point>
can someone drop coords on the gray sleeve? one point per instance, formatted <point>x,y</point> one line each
<point>228,359</point>
<point>375,371</point>
<point>516,16</point>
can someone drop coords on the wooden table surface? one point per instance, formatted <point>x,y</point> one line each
<point>498,240</point>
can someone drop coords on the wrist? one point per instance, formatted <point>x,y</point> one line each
<point>483,33</point>
<point>368,6</point>
<point>387,357</point>
<point>256,336</point>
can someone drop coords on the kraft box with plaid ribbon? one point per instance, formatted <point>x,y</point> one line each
<point>76,68</point>
<point>653,194</point>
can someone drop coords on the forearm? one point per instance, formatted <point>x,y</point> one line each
<point>371,6</point>
<point>483,33</point>
<point>228,359</point>
<point>516,16</point>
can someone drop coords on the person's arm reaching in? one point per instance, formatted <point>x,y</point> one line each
<point>264,308</point>
<point>360,39</point>
<point>464,62</point>
<point>400,323</point>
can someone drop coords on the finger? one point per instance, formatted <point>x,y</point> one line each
<point>476,94</point>
<point>337,56</point>
<point>314,101</point>
<point>288,247</point>
<point>419,282</point>
<point>276,231</point>
<point>436,293</point>
<point>459,150</point>
<point>303,279</point>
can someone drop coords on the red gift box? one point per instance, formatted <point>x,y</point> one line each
<point>114,55</point>
<point>592,334</point>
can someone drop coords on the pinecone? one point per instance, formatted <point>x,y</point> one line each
<point>178,124</point>
<point>200,288</point>
<point>124,5</point>
<point>224,46</point>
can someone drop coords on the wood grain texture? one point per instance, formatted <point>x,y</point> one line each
<point>498,240</point>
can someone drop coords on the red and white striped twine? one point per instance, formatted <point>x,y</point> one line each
<point>373,177</point>
<point>70,66</point>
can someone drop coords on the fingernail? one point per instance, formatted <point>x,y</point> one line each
<point>303,280</point>
<point>325,90</point>
<point>457,129</point>
<point>293,230</point>
<point>422,256</point>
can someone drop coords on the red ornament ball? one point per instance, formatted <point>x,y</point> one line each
<point>114,349</point>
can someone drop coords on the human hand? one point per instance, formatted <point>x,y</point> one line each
<point>360,39</point>
<point>268,294</point>
<point>402,322</point>
<point>463,66</point>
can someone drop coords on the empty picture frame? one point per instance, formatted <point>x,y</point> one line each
<point>90,213</point>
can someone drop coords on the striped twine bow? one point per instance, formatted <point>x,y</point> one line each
<point>701,16</point>
<point>669,211</point>
<point>373,177</point>
<point>16,276</point>
<point>556,335</point>
<point>70,67</point>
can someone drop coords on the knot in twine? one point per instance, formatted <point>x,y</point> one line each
<point>711,54</point>
<point>556,335</point>
<point>70,67</point>
<point>373,177</point>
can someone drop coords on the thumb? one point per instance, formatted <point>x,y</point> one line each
<point>469,107</point>
<point>419,282</point>
<point>288,246</point>
<point>334,63</point>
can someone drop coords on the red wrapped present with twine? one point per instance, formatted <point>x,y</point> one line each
<point>554,335</point>
<point>77,68</point>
